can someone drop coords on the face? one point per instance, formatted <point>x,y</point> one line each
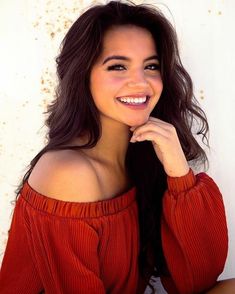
<point>127,68</point>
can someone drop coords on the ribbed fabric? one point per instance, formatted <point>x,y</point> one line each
<point>194,233</point>
<point>69,247</point>
<point>77,209</point>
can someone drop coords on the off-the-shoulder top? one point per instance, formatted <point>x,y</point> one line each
<point>65,247</point>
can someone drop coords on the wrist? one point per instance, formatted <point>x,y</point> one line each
<point>178,172</point>
<point>181,184</point>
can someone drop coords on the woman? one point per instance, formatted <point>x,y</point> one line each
<point>111,200</point>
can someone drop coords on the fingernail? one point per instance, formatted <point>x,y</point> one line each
<point>132,140</point>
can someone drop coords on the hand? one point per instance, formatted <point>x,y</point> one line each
<point>165,143</point>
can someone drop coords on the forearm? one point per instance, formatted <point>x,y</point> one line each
<point>193,221</point>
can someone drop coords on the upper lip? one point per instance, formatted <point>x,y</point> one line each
<point>136,95</point>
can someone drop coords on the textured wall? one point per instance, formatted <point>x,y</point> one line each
<point>31,32</point>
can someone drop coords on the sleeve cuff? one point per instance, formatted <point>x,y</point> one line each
<point>177,185</point>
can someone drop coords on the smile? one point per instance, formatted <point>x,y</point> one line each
<point>133,101</point>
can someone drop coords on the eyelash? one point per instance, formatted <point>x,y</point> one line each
<point>113,67</point>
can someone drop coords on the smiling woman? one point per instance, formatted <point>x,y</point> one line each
<point>132,75</point>
<point>111,200</point>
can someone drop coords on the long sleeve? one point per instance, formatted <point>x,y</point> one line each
<point>69,247</point>
<point>66,264</point>
<point>194,233</point>
<point>18,273</point>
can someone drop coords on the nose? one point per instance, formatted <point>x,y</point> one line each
<point>137,79</point>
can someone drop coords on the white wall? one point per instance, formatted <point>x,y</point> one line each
<point>30,34</point>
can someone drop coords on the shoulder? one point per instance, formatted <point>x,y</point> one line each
<point>66,175</point>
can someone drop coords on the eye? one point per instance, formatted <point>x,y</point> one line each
<point>153,66</point>
<point>117,67</point>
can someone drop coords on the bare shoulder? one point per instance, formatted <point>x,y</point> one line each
<point>66,175</point>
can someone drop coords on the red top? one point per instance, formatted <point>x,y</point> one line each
<point>70,247</point>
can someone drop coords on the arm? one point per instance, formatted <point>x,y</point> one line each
<point>18,272</point>
<point>66,252</point>
<point>52,253</point>
<point>194,232</point>
<point>57,254</point>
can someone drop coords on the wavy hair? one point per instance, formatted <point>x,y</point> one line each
<point>73,112</point>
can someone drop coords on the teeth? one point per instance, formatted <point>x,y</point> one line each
<point>133,100</point>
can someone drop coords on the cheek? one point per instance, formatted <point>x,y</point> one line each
<point>159,83</point>
<point>111,85</point>
<point>105,83</point>
<point>103,87</point>
<point>115,80</point>
<point>160,86</point>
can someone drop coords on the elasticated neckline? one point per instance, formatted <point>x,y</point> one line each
<point>77,209</point>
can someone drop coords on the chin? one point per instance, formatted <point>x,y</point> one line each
<point>138,122</point>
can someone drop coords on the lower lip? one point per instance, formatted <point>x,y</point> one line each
<point>137,106</point>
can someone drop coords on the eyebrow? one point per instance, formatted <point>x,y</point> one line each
<point>119,57</point>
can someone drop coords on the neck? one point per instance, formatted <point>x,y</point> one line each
<point>112,146</point>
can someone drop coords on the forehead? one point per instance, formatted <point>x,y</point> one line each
<point>128,37</point>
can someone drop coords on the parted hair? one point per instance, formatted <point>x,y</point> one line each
<point>73,112</point>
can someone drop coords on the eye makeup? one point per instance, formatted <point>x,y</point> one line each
<point>116,66</point>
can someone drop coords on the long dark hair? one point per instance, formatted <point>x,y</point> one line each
<point>73,113</point>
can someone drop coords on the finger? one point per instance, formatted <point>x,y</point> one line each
<point>150,136</point>
<point>154,122</point>
<point>151,127</point>
<point>161,122</point>
<point>150,119</point>
<point>133,128</point>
